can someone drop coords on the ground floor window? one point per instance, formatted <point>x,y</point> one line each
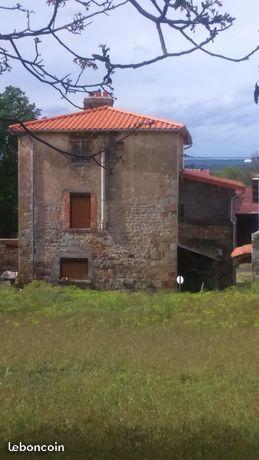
<point>73,269</point>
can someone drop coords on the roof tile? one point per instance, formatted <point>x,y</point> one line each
<point>213,180</point>
<point>241,250</point>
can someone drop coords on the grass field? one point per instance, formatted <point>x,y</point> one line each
<point>113,375</point>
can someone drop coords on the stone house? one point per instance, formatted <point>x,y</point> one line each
<point>107,216</point>
<point>207,229</point>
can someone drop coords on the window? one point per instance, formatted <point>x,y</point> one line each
<point>74,269</point>
<point>119,146</point>
<point>80,210</point>
<point>82,149</point>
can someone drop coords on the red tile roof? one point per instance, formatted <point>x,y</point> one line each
<point>104,118</point>
<point>212,180</point>
<point>244,204</point>
<point>241,250</point>
<point>202,171</point>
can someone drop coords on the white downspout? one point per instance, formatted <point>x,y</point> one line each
<point>103,190</point>
<point>233,220</point>
<point>32,205</point>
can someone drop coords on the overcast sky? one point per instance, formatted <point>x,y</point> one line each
<point>214,98</point>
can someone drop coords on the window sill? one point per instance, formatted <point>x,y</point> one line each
<point>81,163</point>
<point>81,230</point>
<point>81,283</point>
<point>86,281</point>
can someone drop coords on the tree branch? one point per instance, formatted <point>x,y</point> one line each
<point>182,17</point>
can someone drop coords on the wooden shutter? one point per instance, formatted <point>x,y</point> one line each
<point>80,210</point>
<point>74,269</point>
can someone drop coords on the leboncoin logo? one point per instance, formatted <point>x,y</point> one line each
<point>20,447</point>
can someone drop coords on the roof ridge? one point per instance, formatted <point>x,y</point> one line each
<point>150,117</point>
<point>65,115</point>
<point>106,107</point>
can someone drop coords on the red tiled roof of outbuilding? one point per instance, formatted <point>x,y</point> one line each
<point>244,204</point>
<point>241,251</point>
<point>213,180</point>
<point>104,118</point>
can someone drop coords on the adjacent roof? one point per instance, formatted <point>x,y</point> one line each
<point>104,118</point>
<point>244,204</point>
<point>204,172</point>
<point>212,180</point>
<point>241,250</point>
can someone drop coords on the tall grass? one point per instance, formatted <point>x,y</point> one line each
<point>114,375</point>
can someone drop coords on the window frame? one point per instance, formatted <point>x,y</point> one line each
<point>73,259</point>
<point>67,211</point>
<point>79,195</point>
<point>81,160</point>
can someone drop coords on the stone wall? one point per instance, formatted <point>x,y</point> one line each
<point>8,255</point>
<point>214,240</point>
<point>206,227</point>
<point>205,203</point>
<point>138,248</point>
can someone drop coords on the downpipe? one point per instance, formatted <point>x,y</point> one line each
<point>102,162</point>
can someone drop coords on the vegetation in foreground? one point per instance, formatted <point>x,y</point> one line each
<point>114,375</point>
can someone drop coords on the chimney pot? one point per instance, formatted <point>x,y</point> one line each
<point>97,99</point>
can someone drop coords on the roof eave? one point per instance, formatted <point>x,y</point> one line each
<point>211,180</point>
<point>183,132</point>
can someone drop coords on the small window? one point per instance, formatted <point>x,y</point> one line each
<point>80,210</point>
<point>119,146</point>
<point>74,269</point>
<point>82,149</point>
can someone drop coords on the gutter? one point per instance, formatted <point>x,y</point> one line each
<point>233,217</point>
<point>233,220</point>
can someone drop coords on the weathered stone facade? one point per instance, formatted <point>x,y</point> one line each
<point>206,235</point>
<point>8,255</point>
<point>138,247</point>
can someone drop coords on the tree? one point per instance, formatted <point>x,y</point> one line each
<point>13,103</point>
<point>242,173</point>
<point>198,22</point>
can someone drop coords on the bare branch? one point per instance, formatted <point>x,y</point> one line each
<point>182,17</point>
<point>130,132</point>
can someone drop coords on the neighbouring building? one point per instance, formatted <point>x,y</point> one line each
<point>110,221</point>
<point>247,214</point>
<point>247,219</point>
<point>207,229</point>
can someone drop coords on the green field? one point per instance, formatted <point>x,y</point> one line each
<point>113,375</point>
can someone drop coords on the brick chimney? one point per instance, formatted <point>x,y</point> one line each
<point>97,99</point>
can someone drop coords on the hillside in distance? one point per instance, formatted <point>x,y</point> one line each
<point>214,164</point>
